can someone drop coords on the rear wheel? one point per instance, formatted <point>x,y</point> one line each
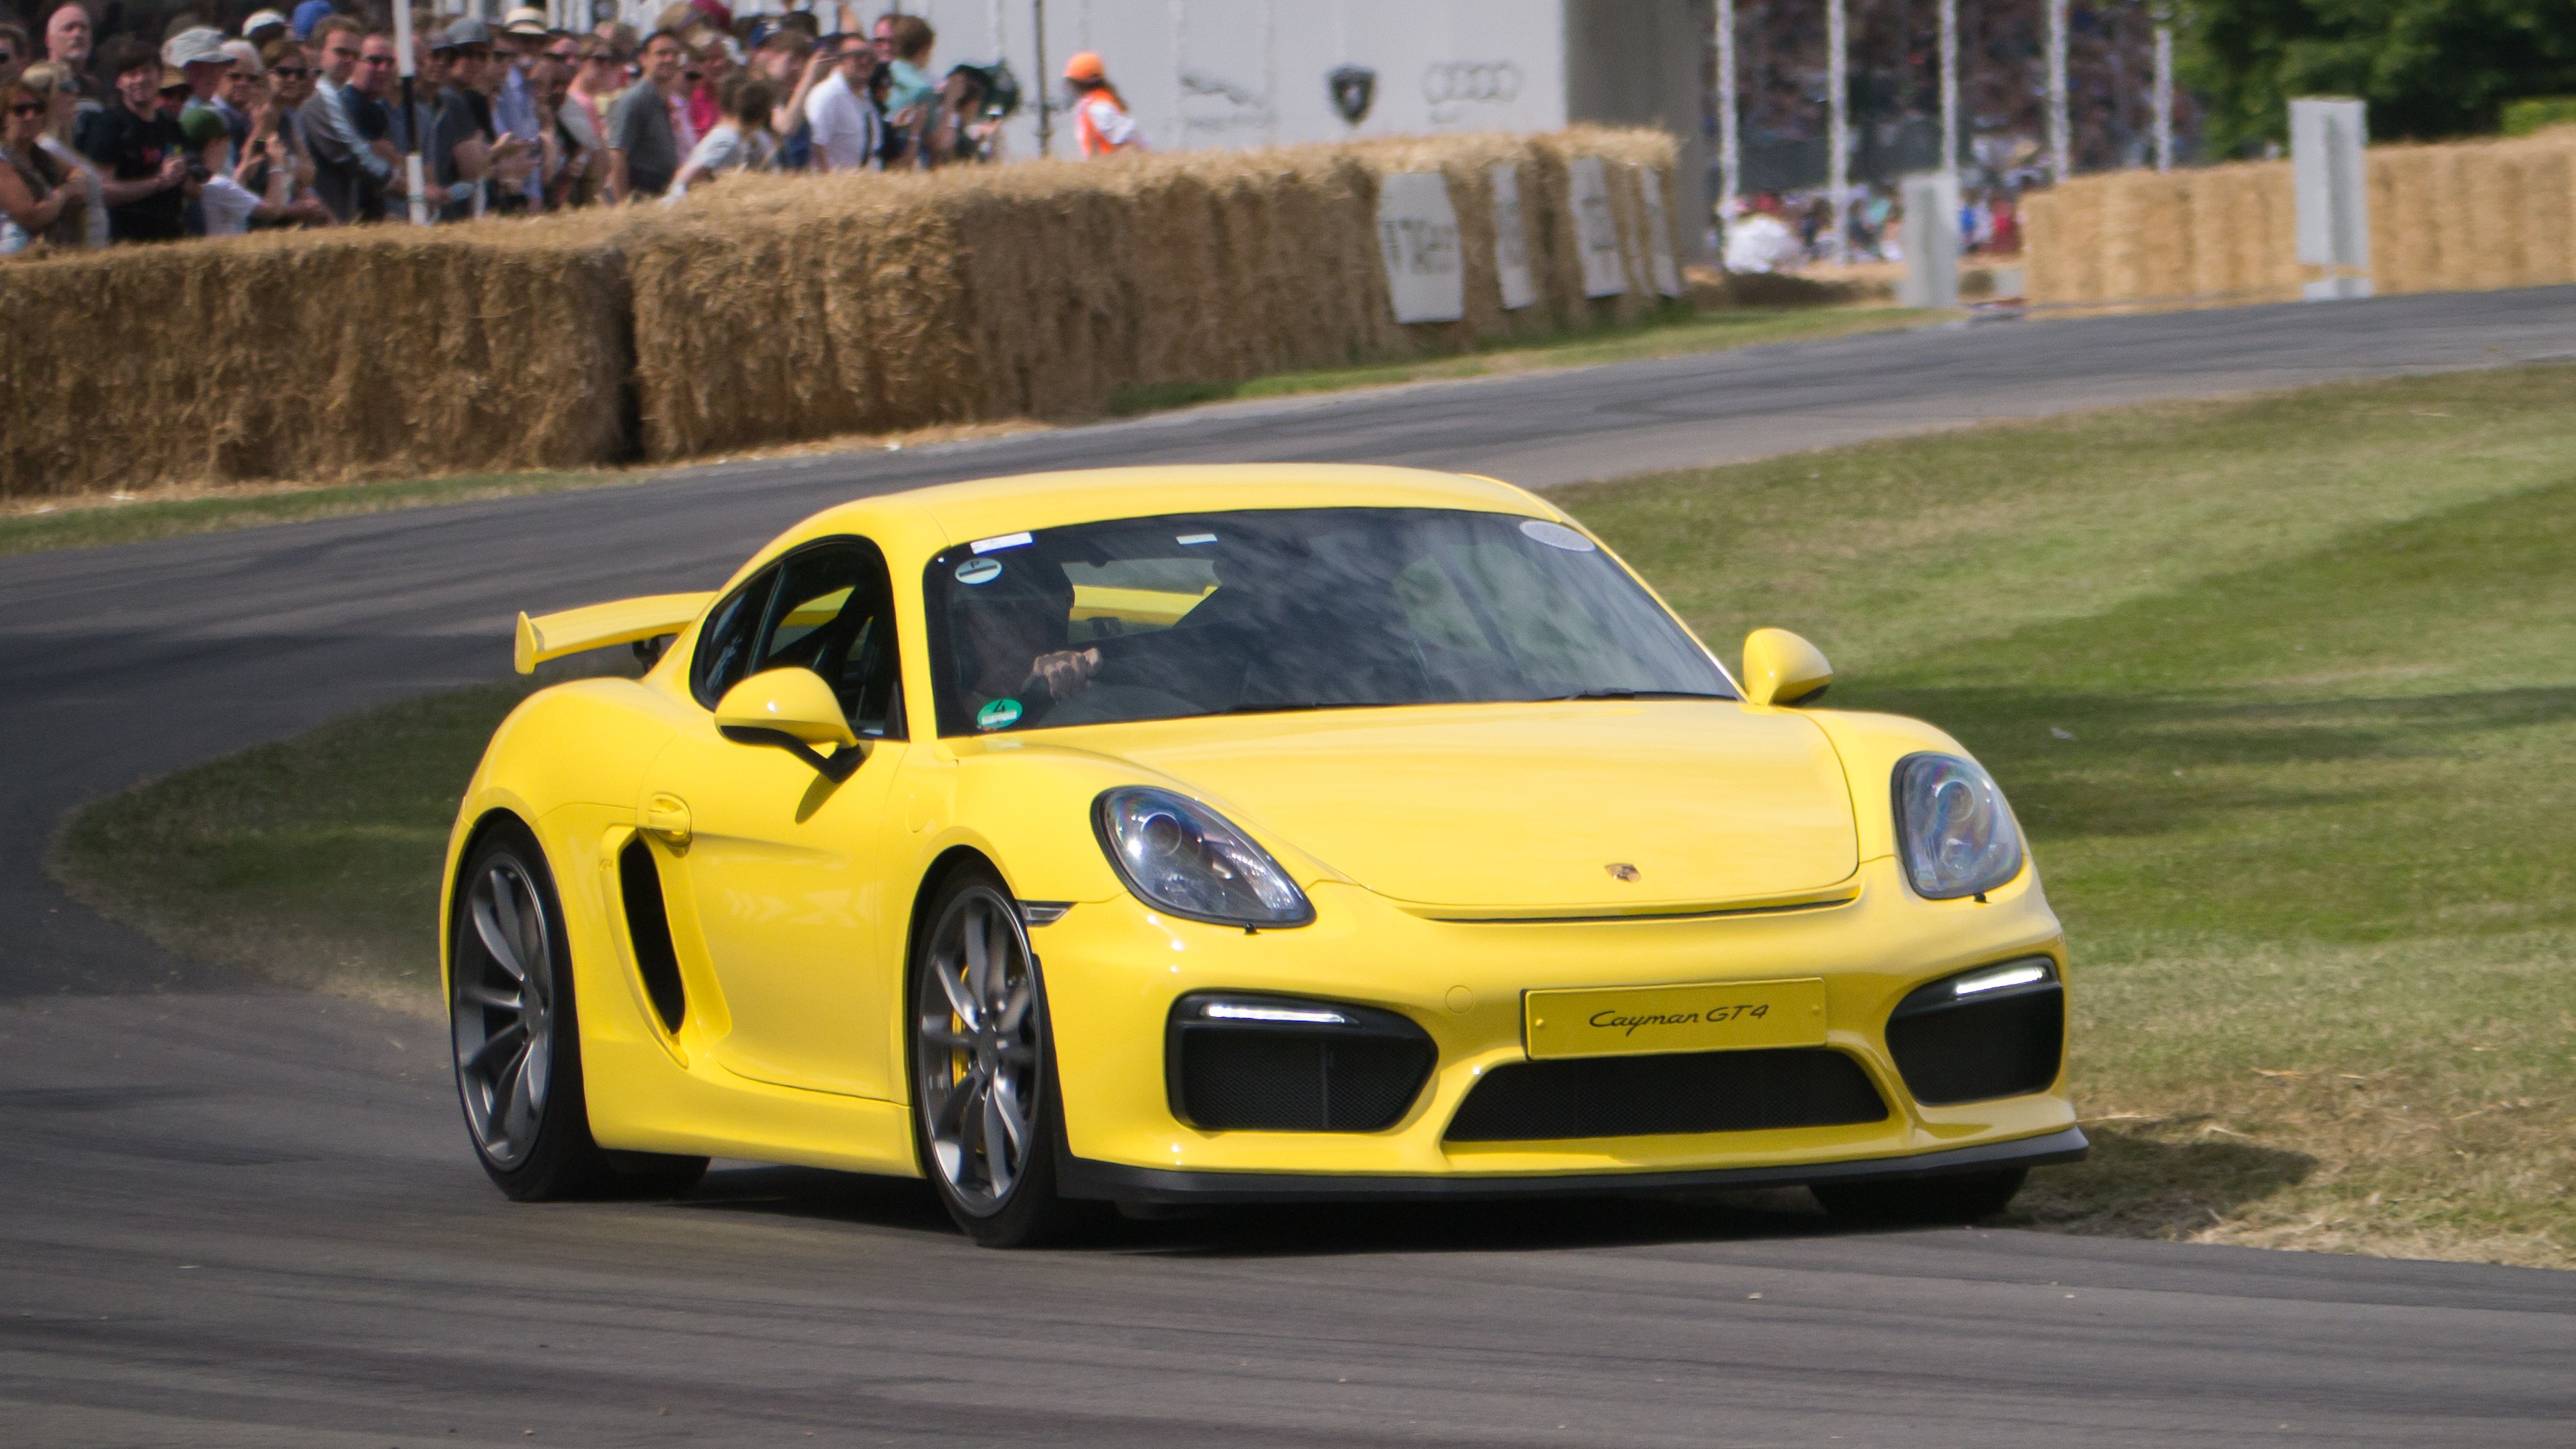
<point>518,1040</point>
<point>1964,1198</point>
<point>985,1111</point>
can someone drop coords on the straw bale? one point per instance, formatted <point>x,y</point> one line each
<point>2147,243</point>
<point>318,355</point>
<point>2491,237</point>
<point>763,311</point>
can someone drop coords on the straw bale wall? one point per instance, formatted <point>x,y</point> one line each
<point>2467,216</point>
<point>330,355</point>
<point>1045,289</point>
<point>764,311</point>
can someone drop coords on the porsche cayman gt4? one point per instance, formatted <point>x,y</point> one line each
<point>1235,834</point>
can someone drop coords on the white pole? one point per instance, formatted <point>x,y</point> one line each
<point>1730,152</point>
<point>1838,130</point>
<point>2060,166</point>
<point>412,178</point>
<point>1949,87</point>
<point>2164,98</point>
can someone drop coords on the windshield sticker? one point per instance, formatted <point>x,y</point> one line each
<point>1000,714</point>
<point>1556,535</point>
<point>979,571</point>
<point>997,544</point>
<point>1195,538</point>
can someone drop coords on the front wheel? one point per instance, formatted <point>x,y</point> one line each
<point>984,1106</point>
<point>1963,1198</point>
<point>518,1041</point>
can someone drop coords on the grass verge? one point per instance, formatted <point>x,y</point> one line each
<point>92,522</point>
<point>2282,689</point>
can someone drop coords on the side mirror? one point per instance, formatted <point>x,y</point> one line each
<point>793,709</point>
<point>1781,668</point>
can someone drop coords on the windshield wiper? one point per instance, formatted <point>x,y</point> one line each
<point>1323,704</point>
<point>1634,694</point>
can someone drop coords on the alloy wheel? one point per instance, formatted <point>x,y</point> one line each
<point>975,1048</point>
<point>503,1012</point>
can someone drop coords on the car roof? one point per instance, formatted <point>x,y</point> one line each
<point>991,506</point>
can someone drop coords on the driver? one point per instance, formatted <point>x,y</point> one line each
<point>1013,627</point>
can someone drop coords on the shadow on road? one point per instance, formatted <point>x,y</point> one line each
<point>1306,1229</point>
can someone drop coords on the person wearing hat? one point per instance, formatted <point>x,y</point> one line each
<point>310,14</point>
<point>227,206</point>
<point>199,54</point>
<point>1100,119</point>
<point>458,153</point>
<point>514,102</point>
<point>137,148</point>
<point>264,26</point>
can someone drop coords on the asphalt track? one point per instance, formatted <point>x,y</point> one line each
<point>237,1215</point>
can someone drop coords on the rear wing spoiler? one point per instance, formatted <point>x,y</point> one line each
<point>552,636</point>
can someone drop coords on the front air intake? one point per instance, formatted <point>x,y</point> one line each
<point>1268,1064</point>
<point>1667,1095</point>
<point>1985,1034</point>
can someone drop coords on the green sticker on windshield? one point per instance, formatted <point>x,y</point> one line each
<point>1000,714</point>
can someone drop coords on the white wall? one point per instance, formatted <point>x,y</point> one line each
<point>1200,73</point>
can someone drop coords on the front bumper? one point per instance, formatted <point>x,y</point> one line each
<point>1113,970</point>
<point>1082,1178</point>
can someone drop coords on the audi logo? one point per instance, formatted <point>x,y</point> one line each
<point>1496,81</point>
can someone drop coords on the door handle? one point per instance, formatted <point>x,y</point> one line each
<point>668,817</point>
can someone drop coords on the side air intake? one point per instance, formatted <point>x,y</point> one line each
<point>648,927</point>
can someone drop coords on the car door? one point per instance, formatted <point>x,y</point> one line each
<point>786,871</point>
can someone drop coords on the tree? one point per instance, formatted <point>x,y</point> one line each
<point>2428,68</point>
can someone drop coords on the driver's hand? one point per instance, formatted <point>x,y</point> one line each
<point>1067,672</point>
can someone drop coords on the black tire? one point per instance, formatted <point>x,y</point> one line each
<point>1963,1198</point>
<point>994,1169</point>
<point>518,1050</point>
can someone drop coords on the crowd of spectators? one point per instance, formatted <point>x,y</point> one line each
<point>300,122</point>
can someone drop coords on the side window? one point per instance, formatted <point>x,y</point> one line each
<point>827,608</point>
<point>724,649</point>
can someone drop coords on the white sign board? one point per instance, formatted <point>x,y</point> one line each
<point>1659,234</point>
<point>1417,229</point>
<point>1511,239</point>
<point>2330,183</point>
<point>1931,238</point>
<point>1596,232</point>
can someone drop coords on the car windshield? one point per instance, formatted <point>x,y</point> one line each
<point>1317,608</point>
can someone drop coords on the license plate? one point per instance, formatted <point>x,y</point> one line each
<point>1633,1020</point>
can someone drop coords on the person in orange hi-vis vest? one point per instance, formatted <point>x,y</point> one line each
<point>1100,116</point>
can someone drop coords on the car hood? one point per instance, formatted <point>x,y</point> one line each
<point>1507,810</point>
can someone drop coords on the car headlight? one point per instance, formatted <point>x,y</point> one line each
<point>1182,857</point>
<point>1951,823</point>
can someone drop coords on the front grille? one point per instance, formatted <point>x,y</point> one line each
<point>1283,1077</point>
<point>1645,1096</point>
<point>2008,1045</point>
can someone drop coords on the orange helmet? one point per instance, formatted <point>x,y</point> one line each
<point>1085,66</point>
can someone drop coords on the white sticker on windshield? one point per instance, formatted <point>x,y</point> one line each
<point>1556,535</point>
<point>979,571</point>
<point>996,545</point>
<point>1195,538</point>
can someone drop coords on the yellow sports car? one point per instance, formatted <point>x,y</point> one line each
<point>1228,834</point>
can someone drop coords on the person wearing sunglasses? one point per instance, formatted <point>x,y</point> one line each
<point>39,197</point>
<point>352,176</point>
<point>53,81</point>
